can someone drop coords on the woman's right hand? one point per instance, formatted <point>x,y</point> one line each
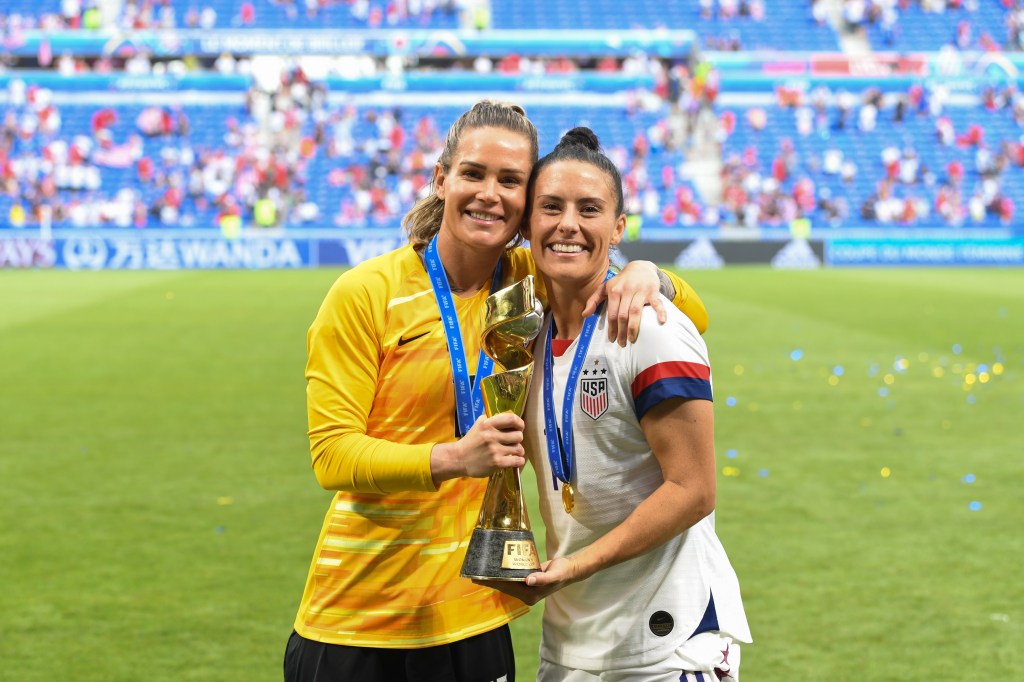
<point>492,443</point>
<point>552,576</point>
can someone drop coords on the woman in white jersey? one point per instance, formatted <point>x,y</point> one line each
<point>622,439</point>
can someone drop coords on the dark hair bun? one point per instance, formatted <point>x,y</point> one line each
<point>581,136</point>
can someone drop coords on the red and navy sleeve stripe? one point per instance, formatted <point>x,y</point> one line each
<point>670,380</point>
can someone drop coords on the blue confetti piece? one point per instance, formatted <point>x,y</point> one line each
<point>872,370</point>
<point>731,401</point>
<point>971,399</point>
<point>763,473</point>
<point>982,368</point>
<point>883,391</point>
<point>838,370</point>
<point>731,454</point>
<point>219,529</point>
<point>968,478</point>
<point>957,349</point>
<point>974,506</point>
<point>796,355</point>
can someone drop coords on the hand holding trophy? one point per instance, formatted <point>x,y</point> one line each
<point>502,546</point>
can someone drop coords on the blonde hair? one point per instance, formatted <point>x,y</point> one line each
<point>423,220</point>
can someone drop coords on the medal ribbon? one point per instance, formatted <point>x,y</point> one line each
<point>469,402</point>
<point>561,451</point>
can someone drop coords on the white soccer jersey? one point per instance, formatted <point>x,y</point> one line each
<point>639,611</point>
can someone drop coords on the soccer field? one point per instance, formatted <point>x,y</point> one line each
<point>159,511</point>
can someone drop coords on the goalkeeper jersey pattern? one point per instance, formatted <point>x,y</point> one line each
<point>380,393</point>
<point>637,612</point>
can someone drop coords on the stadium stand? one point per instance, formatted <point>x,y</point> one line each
<point>883,160</point>
<point>928,26</point>
<point>704,141</point>
<point>191,162</point>
<point>722,24</point>
<point>244,14</point>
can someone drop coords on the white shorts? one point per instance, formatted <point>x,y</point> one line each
<point>708,657</point>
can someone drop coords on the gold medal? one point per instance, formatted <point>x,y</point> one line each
<point>568,497</point>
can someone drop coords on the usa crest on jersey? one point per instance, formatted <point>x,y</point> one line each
<point>594,397</point>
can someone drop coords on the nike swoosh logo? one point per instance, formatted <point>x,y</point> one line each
<point>402,342</point>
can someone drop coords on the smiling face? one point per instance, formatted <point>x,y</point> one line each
<point>573,222</point>
<point>484,189</point>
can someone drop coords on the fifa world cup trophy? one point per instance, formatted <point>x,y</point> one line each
<point>502,546</point>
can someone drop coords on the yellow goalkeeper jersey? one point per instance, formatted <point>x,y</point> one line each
<point>380,394</point>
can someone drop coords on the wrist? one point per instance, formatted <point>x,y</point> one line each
<point>444,462</point>
<point>578,570</point>
<point>667,289</point>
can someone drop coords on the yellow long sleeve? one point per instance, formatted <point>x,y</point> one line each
<point>687,300</point>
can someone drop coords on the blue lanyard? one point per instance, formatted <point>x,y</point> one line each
<point>561,451</point>
<point>469,402</point>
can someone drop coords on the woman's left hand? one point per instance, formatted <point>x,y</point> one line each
<point>638,285</point>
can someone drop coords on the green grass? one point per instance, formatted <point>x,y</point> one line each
<point>159,512</point>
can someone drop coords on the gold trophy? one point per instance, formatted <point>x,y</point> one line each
<point>502,546</point>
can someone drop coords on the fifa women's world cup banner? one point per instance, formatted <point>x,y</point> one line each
<point>707,252</point>
<point>925,252</point>
<point>314,248</point>
<point>189,251</point>
<point>98,253</point>
<point>168,253</point>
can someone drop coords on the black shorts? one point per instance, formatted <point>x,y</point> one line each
<point>483,658</point>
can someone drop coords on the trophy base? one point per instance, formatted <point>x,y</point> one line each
<point>500,555</point>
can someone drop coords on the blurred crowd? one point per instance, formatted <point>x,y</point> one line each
<point>966,34</point>
<point>864,158</point>
<point>288,157</point>
<point>371,163</point>
<point>854,16</point>
<point>204,14</point>
<point>154,174</point>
